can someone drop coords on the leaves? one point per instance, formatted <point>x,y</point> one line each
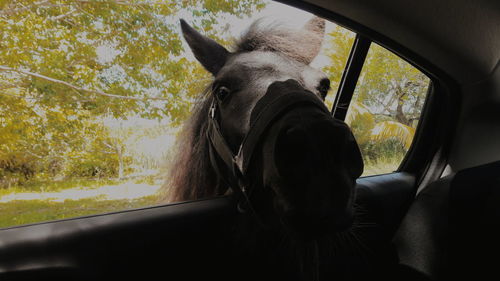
<point>67,64</point>
<point>361,122</point>
<point>338,46</point>
<point>391,86</point>
<point>386,104</point>
<point>390,129</point>
<point>109,48</point>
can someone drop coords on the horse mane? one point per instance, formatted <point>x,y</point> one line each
<point>191,175</point>
<point>301,45</point>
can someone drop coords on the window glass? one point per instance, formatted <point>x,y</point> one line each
<point>385,109</point>
<point>333,58</point>
<point>93,96</point>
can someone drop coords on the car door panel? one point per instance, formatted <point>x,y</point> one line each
<point>166,240</point>
<point>132,244</point>
<point>386,198</point>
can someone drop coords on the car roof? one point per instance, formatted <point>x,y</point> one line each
<point>461,37</point>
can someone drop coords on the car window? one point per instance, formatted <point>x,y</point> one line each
<point>333,59</point>
<point>93,96</point>
<point>385,109</point>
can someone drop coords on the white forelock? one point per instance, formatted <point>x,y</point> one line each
<point>302,45</point>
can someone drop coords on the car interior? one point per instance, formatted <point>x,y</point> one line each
<point>437,217</point>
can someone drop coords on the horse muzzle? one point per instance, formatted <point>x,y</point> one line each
<point>310,159</point>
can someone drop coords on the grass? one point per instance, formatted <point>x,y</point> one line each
<point>55,186</point>
<point>31,211</point>
<point>381,166</point>
<point>19,212</point>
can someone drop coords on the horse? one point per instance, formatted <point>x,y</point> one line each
<point>301,177</point>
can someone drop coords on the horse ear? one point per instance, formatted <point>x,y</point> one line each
<point>316,25</point>
<point>316,28</point>
<point>208,52</point>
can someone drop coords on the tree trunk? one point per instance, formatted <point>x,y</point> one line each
<point>120,162</point>
<point>400,115</point>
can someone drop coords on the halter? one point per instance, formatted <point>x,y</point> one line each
<point>274,104</point>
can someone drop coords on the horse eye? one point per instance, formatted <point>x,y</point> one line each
<point>222,92</point>
<point>324,87</point>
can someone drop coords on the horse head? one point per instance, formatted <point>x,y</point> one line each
<point>306,163</point>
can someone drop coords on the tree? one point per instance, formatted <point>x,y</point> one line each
<point>66,63</point>
<point>387,101</point>
<point>118,56</point>
<point>337,48</point>
<point>391,87</point>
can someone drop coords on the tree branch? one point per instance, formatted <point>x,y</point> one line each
<point>79,89</point>
<point>120,2</point>
<point>44,3</point>
<point>6,86</point>
<point>108,145</point>
<point>47,4</point>
<point>34,154</point>
<point>385,106</point>
<point>60,17</point>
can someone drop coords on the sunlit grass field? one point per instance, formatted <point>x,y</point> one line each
<point>381,166</point>
<point>55,186</point>
<point>41,201</point>
<point>21,212</point>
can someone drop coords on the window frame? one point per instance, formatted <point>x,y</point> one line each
<point>350,76</point>
<point>348,83</point>
<point>427,156</point>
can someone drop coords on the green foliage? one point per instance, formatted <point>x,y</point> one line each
<point>382,165</point>
<point>67,64</point>
<point>338,49</point>
<point>361,122</point>
<point>391,87</point>
<point>91,166</point>
<point>386,105</point>
<point>392,130</point>
<point>128,49</point>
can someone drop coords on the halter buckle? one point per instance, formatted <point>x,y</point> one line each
<point>212,110</point>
